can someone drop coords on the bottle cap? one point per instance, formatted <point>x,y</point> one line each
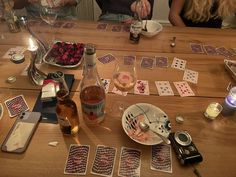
<point>11,79</point>
<point>18,58</point>
<point>179,119</point>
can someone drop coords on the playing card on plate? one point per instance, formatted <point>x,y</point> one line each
<point>118,92</point>
<point>77,159</point>
<point>178,63</point>
<point>16,105</point>
<point>130,162</point>
<point>223,51</point>
<point>164,88</point>
<point>161,158</point>
<point>129,60</point>
<point>106,83</point>
<point>184,89</point>
<point>210,50</point>
<point>147,62</point>
<point>191,76</point>
<point>116,28</point>
<point>141,87</point>
<point>106,58</point>
<point>102,26</point>
<point>196,48</point>
<point>161,62</point>
<point>104,161</point>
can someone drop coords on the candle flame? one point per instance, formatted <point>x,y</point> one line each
<point>32,45</point>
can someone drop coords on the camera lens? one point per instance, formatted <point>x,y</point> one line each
<point>183,138</point>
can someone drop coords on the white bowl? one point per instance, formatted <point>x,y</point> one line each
<point>153,28</point>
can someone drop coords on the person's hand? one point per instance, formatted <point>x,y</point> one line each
<point>143,8</point>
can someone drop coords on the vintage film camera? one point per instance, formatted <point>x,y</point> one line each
<point>186,151</point>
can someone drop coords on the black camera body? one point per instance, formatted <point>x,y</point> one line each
<point>184,148</point>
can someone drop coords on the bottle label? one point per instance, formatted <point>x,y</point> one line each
<point>90,60</point>
<point>94,111</point>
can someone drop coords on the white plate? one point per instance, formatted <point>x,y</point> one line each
<point>151,115</point>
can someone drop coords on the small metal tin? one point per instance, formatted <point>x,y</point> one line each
<point>183,138</point>
<point>18,58</point>
<point>11,79</point>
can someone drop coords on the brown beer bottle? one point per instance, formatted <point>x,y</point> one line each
<point>66,110</point>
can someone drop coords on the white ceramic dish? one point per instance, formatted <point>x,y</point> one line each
<point>151,115</point>
<point>153,28</point>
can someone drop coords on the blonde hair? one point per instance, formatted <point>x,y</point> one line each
<point>200,10</point>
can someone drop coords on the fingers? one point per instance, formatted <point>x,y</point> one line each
<point>143,8</point>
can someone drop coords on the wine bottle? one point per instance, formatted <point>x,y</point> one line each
<point>92,92</point>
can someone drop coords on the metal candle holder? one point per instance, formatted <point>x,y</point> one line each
<point>35,75</point>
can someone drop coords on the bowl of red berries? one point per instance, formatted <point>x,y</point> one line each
<point>65,54</point>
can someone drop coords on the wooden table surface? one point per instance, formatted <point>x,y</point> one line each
<point>216,140</point>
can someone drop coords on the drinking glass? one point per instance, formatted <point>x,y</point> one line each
<point>124,79</point>
<point>49,13</point>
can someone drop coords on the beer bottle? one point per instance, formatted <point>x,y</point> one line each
<point>66,109</point>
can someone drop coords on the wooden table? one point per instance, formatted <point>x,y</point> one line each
<point>215,139</point>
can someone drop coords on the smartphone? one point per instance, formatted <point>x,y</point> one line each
<point>20,134</point>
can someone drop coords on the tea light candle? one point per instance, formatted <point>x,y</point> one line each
<point>213,110</point>
<point>229,106</point>
<point>32,46</point>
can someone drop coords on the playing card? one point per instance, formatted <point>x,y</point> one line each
<point>147,62</point>
<point>1,111</point>
<point>104,161</point>
<point>130,162</point>
<point>129,60</point>
<point>116,28</point>
<point>161,158</point>
<point>161,62</point>
<point>190,76</point>
<point>178,63</point>
<point>118,92</point>
<point>164,88</point>
<point>58,24</point>
<point>210,50</point>
<point>69,25</point>
<point>106,83</point>
<point>102,26</point>
<point>196,48</point>
<point>77,160</point>
<point>184,89</point>
<point>16,105</point>
<point>223,51</point>
<point>141,87</point>
<point>106,58</point>
<point>126,28</point>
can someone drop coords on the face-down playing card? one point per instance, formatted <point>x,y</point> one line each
<point>104,161</point>
<point>77,160</point>
<point>130,162</point>
<point>106,58</point>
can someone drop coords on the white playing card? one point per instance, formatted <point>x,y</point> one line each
<point>161,158</point>
<point>178,63</point>
<point>106,83</point>
<point>141,87</point>
<point>190,76</point>
<point>184,89</point>
<point>77,160</point>
<point>130,162</point>
<point>164,88</point>
<point>118,92</point>
<point>104,161</point>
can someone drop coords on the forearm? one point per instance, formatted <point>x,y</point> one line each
<point>176,20</point>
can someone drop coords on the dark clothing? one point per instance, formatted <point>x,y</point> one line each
<point>119,6</point>
<point>211,23</point>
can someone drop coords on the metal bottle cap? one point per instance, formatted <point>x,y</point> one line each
<point>18,58</point>
<point>11,79</point>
